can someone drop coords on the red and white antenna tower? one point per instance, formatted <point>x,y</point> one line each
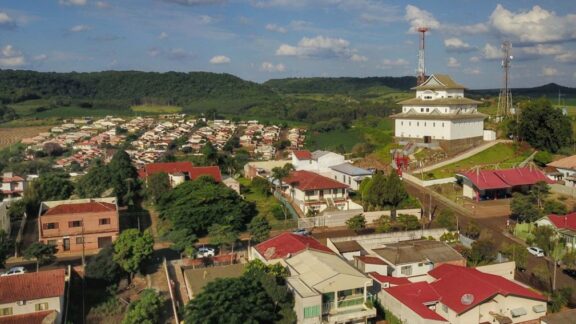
<point>421,76</point>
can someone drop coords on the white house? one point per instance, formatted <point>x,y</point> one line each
<point>440,114</point>
<point>317,161</point>
<point>12,185</point>
<point>36,297</point>
<point>349,174</point>
<point>563,225</point>
<point>566,168</point>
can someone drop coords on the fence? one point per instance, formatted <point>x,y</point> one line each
<point>339,218</point>
<point>428,183</point>
<point>171,291</point>
<point>286,205</point>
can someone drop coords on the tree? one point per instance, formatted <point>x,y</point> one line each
<point>196,205</point>
<point>446,219</point>
<point>552,206</point>
<point>223,235</point>
<point>259,229</point>
<point>545,238</point>
<point>94,183</point>
<point>157,185</point>
<point>279,173</point>
<point>54,186</point>
<point>210,153</point>
<point>524,208</point>
<point>516,253</point>
<point>472,230</point>
<point>102,266</point>
<point>183,241</point>
<point>383,224</point>
<point>43,253</point>
<point>542,158</point>
<point>543,126</point>
<point>373,191</point>
<point>6,247</point>
<point>146,310</point>
<point>356,223</point>
<point>124,178</point>
<point>231,300</point>
<point>409,222</point>
<point>540,190</point>
<point>559,299</point>
<point>569,259</point>
<point>52,149</point>
<point>132,248</point>
<point>395,193</point>
<point>483,252</point>
<point>260,185</point>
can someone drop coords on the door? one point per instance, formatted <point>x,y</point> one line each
<point>427,139</point>
<point>104,241</point>
<point>66,244</point>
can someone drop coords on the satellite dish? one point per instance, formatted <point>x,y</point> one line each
<point>467,299</point>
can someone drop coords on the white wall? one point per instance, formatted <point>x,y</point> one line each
<point>54,303</point>
<point>467,128</point>
<point>412,128</point>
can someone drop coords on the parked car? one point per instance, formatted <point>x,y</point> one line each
<point>205,252</point>
<point>536,251</point>
<point>301,231</point>
<point>14,271</point>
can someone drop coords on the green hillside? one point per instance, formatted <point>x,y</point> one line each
<point>339,85</point>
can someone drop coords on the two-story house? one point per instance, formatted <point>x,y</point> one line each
<point>36,297</point>
<point>12,185</point>
<point>285,245</point>
<point>312,191</point>
<point>317,161</point>
<point>74,225</point>
<point>327,289</point>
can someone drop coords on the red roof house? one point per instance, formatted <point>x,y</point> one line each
<point>80,208</point>
<point>302,155</point>
<point>285,245</point>
<point>186,168</point>
<point>417,296</point>
<point>564,225</point>
<point>306,180</point>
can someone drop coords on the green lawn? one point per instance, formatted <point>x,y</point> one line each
<point>334,140</point>
<point>505,155</point>
<point>156,109</point>
<point>264,203</point>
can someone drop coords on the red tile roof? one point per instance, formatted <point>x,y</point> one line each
<point>370,259</point>
<point>306,180</point>
<point>452,282</point>
<point>183,167</point>
<point>80,208</point>
<point>31,286</point>
<point>302,155</point>
<point>30,318</point>
<point>281,246</point>
<point>12,179</point>
<point>506,178</point>
<point>415,296</point>
<point>564,222</point>
<point>396,281</point>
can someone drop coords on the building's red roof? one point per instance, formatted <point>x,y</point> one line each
<point>415,296</point>
<point>31,286</point>
<point>80,208</point>
<point>506,178</point>
<point>370,259</point>
<point>306,180</point>
<point>396,281</point>
<point>302,155</point>
<point>180,167</point>
<point>30,318</point>
<point>452,282</point>
<point>564,221</point>
<point>281,246</point>
<point>12,179</point>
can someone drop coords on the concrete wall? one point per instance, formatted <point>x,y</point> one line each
<point>29,306</point>
<point>504,269</point>
<point>460,129</point>
<point>413,128</point>
<point>302,302</point>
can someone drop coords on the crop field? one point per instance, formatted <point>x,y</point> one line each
<point>9,136</point>
<point>156,109</point>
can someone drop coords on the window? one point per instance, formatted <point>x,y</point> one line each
<point>417,123</point>
<point>420,264</point>
<point>409,123</point>
<point>6,311</point>
<point>52,242</point>
<point>421,109</point>
<point>442,124</point>
<point>47,226</point>
<point>75,224</point>
<point>104,221</point>
<point>312,311</point>
<point>41,307</point>
<point>433,124</point>
<point>406,270</point>
<point>401,123</point>
<point>427,109</point>
<point>79,240</point>
<point>424,124</point>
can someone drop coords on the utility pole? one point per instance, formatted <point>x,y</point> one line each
<point>505,96</point>
<point>421,73</point>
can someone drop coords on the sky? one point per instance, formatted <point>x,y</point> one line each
<point>267,39</point>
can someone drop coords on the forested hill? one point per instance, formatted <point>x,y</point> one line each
<point>344,85</point>
<point>128,86</point>
<point>547,90</point>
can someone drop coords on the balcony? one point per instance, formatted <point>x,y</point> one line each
<point>351,308</point>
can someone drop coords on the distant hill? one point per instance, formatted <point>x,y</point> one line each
<point>547,90</point>
<point>344,85</point>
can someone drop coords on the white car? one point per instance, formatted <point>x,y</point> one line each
<point>536,251</point>
<point>14,271</point>
<point>205,252</point>
<point>301,231</point>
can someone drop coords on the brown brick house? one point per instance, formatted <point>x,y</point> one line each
<point>72,224</point>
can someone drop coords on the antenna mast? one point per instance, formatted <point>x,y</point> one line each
<point>505,97</point>
<point>421,74</point>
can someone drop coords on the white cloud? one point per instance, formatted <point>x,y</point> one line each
<point>567,57</point>
<point>491,52</point>
<point>358,58</point>
<point>102,5</point>
<point>196,2</point>
<point>10,57</point>
<point>79,29</point>
<point>40,57</point>
<point>276,28</point>
<point>299,24</point>
<point>455,44</point>
<point>73,2</point>
<point>205,20</point>
<point>319,47</point>
<point>420,18</point>
<point>388,63</point>
<point>474,59</point>
<point>271,67</point>
<point>220,59</point>
<point>453,62</point>
<point>537,25</point>
<point>549,71</point>
<point>6,20</point>
<point>163,35</point>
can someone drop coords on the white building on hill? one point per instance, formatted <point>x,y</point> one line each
<point>441,115</point>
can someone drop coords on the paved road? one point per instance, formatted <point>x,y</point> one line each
<point>494,222</point>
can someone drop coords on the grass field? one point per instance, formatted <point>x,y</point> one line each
<point>73,111</point>
<point>336,140</point>
<point>504,155</point>
<point>9,136</point>
<point>156,109</point>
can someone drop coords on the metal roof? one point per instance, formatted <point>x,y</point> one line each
<point>349,169</point>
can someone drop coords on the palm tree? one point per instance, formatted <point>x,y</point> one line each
<point>279,173</point>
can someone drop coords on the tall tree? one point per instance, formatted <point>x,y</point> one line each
<point>525,208</point>
<point>146,310</point>
<point>157,184</point>
<point>43,253</point>
<point>183,241</point>
<point>543,126</point>
<point>279,173</point>
<point>483,251</point>
<point>102,266</point>
<point>132,249</point>
<point>6,247</point>
<point>94,183</point>
<point>223,235</point>
<point>124,178</point>
<point>54,186</point>
<point>394,193</point>
<point>259,229</point>
<point>210,153</point>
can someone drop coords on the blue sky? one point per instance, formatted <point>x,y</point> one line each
<point>263,39</point>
